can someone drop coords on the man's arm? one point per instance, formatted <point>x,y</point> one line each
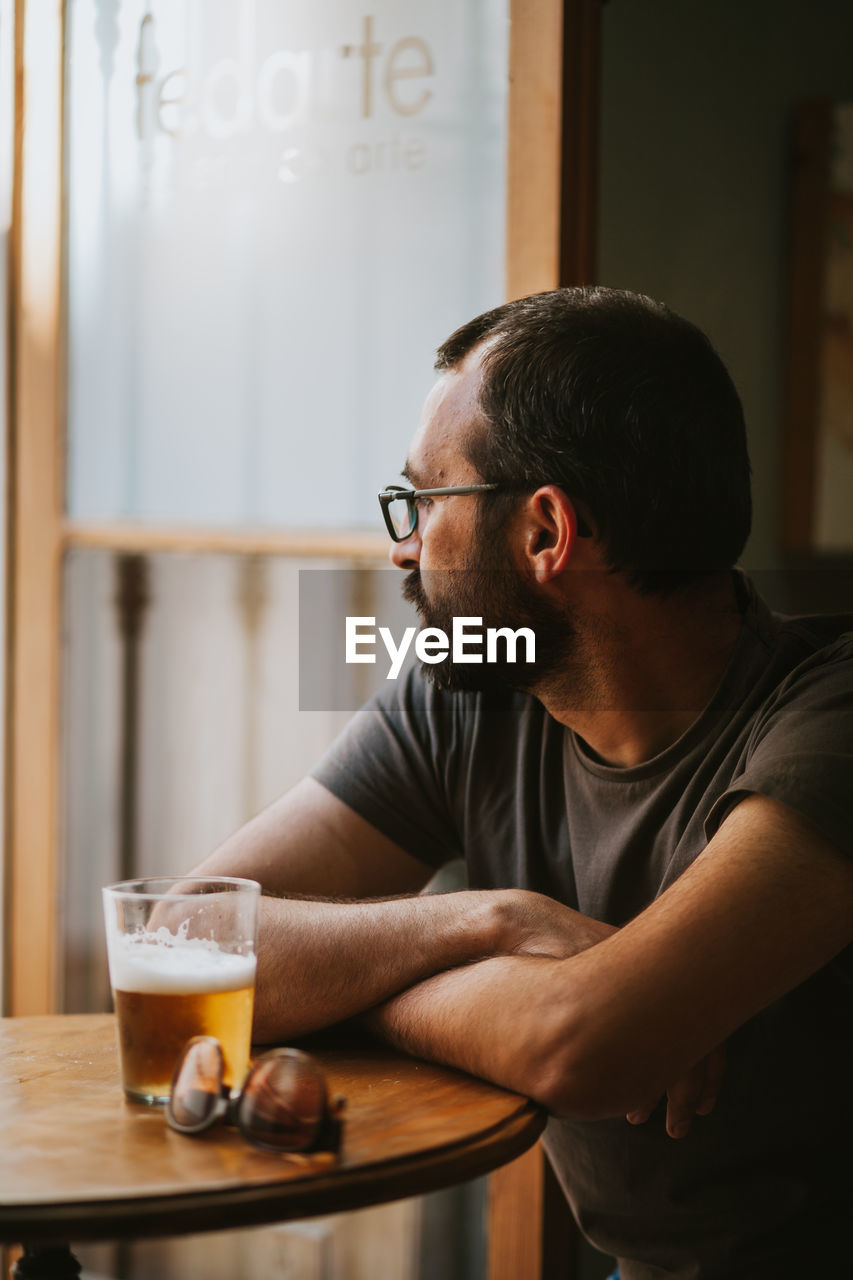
<point>320,962</point>
<point>309,842</point>
<point>599,1034</point>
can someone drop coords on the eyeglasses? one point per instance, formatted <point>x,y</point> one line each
<point>283,1105</point>
<point>400,506</point>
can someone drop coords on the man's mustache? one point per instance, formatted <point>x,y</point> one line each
<point>476,581</point>
<point>413,591</point>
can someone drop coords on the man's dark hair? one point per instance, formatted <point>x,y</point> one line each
<point>629,409</point>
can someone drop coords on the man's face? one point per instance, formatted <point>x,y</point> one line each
<point>460,563</point>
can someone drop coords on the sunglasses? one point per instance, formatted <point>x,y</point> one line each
<point>282,1106</point>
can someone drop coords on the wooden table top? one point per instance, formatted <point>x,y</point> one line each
<point>81,1163</point>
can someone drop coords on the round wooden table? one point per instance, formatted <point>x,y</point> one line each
<point>82,1163</point>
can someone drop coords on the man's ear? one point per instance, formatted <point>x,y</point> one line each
<point>550,531</point>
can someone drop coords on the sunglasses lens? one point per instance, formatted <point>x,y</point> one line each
<point>284,1104</point>
<point>196,1097</point>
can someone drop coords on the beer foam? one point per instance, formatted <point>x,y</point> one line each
<point>165,963</point>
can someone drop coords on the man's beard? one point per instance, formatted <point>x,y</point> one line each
<point>502,598</point>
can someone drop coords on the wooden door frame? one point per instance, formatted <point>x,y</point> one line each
<point>552,144</point>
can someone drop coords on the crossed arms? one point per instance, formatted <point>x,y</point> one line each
<point>511,986</point>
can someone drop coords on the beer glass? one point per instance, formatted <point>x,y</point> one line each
<point>182,963</point>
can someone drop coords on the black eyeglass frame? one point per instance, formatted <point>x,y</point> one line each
<point>394,492</point>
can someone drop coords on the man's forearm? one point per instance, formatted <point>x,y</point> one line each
<point>322,962</point>
<point>512,1020</point>
<point>496,1019</point>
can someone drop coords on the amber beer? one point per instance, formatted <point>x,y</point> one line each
<point>164,999</point>
<point>182,964</point>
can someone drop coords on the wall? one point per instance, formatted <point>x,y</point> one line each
<point>696,102</point>
<point>696,105</point>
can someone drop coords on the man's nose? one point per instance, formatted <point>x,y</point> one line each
<point>407,554</point>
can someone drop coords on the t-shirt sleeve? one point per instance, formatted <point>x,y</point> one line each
<point>391,765</point>
<point>801,749</point>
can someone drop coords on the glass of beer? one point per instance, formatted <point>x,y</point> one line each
<point>182,964</point>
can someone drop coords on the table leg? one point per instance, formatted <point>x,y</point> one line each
<point>46,1262</point>
<point>531,1232</point>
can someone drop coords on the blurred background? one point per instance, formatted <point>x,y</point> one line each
<point>235,232</point>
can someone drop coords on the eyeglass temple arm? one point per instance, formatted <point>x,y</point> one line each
<point>401,494</point>
<point>389,495</point>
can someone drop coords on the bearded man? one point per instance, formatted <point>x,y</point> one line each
<point>655,814</point>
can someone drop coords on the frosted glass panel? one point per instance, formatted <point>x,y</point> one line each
<point>276,210</point>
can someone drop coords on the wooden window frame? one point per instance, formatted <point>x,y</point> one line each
<point>551,209</point>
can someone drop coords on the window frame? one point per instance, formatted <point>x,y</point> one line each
<point>551,218</point>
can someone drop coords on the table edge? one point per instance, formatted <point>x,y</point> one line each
<point>256,1204</point>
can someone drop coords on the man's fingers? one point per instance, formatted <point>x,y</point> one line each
<point>640,1114</point>
<point>695,1093</point>
<point>684,1099</point>
<point>715,1069</point>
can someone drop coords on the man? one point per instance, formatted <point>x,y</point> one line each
<point>654,814</point>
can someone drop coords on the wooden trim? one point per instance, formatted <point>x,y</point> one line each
<point>35,486</point>
<point>801,394</point>
<point>152,539</point>
<point>533,146</point>
<point>532,1235</point>
<point>552,144</point>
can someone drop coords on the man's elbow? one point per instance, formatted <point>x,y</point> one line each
<point>572,1092</point>
<point>580,1078</point>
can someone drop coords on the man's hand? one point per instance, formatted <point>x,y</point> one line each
<point>539,926</point>
<point>693,1094</point>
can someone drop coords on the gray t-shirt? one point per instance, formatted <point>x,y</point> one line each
<point>762,1187</point>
